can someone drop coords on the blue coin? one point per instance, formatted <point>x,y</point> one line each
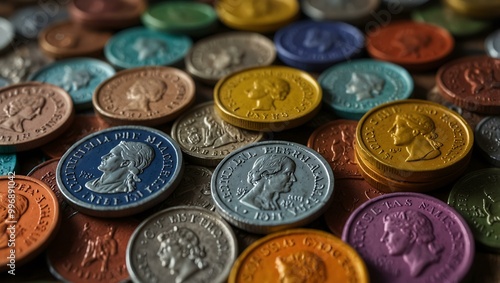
<point>138,47</point>
<point>120,171</point>
<point>8,163</point>
<point>315,46</point>
<point>4,82</point>
<point>79,77</point>
<point>352,88</point>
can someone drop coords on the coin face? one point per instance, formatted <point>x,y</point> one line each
<point>487,135</point>
<point>146,96</point>
<point>120,171</point>
<point>182,244</point>
<point>35,113</point>
<point>299,255</point>
<point>272,98</point>
<point>30,219</point>
<point>206,139</point>
<point>410,237</point>
<point>272,185</point>
<point>414,139</point>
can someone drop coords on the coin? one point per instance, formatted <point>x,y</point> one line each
<point>30,219</point>
<point>273,98</point>
<point>314,46</point>
<point>355,12</point>
<point>214,57</point>
<point>492,44</point>
<point>483,9</point>
<point>182,244</point>
<point>299,255</point>
<point>22,62</point>
<point>147,96</point>
<point>36,114</point>
<point>471,83</point>
<point>68,39</point>
<point>410,237</point>
<point>205,138</point>
<point>120,171</point>
<point>29,21</point>
<point>6,33</point>
<point>272,185</point>
<point>139,46</point>
<point>414,140</point>
<point>413,45</point>
<point>352,88</point>
<point>79,77</point>
<point>487,136</point>
<point>91,249</point>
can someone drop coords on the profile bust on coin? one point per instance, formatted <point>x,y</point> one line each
<point>364,85</point>
<point>19,110</point>
<point>18,208</point>
<point>267,91</point>
<point>143,92</point>
<point>121,167</point>
<point>302,266</point>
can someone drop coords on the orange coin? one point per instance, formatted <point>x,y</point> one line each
<point>29,214</point>
<point>413,45</point>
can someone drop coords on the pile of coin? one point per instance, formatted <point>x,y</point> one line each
<point>247,141</point>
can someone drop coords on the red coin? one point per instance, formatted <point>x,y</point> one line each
<point>413,45</point>
<point>472,83</point>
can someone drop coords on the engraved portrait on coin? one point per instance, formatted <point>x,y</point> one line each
<point>10,213</point>
<point>224,58</point>
<point>301,266</point>
<point>143,92</point>
<point>411,42</point>
<point>19,110</point>
<point>364,85</point>
<point>220,133</point>
<point>491,201</point>
<point>417,133</point>
<point>270,176</point>
<point>481,79</point>
<point>100,249</point>
<point>181,252</point>
<point>148,48</point>
<point>121,167</point>
<point>410,234</point>
<point>74,80</point>
<point>266,91</point>
<point>320,39</point>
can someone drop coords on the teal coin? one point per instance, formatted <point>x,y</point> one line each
<point>189,18</point>
<point>456,24</point>
<point>79,77</point>
<point>8,163</point>
<point>140,46</point>
<point>352,88</point>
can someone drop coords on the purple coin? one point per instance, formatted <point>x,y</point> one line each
<point>411,237</point>
<point>315,46</point>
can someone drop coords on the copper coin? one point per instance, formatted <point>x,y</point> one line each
<point>29,219</point>
<point>81,126</point>
<point>413,45</point>
<point>472,83</point>
<point>89,249</point>
<point>107,14</point>
<point>68,39</point>
<point>46,172</point>
<point>349,194</point>
<point>147,96</point>
<point>335,142</point>
<point>34,114</point>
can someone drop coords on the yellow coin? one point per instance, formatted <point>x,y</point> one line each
<point>269,99</point>
<point>414,140</point>
<point>299,255</point>
<point>484,9</point>
<point>257,16</point>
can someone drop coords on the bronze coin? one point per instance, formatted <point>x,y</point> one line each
<point>34,114</point>
<point>147,96</point>
<point>29,219</point>
<point>81,126</point>
<point>68,39</point>
<point>89,249</point>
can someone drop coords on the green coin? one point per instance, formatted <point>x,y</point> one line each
<point>456,24</point>
<point>476,196</point>
<point>189,18</point>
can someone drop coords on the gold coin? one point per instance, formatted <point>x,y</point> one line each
<point>299,255</point>
<point>257,16</point>
<point>484,9</point>
<point>273,98</point>
<point>414,140</point>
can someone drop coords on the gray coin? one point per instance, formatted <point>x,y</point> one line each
<point>4,82</point>
<point>205,138</point>
<point>272,185</point>
<point>214,57</point>
<point>182,244</point>
<point>353,11</point>
<point>487,136</point>
<point>6,33</point>
<point>29,21</point>
<point>25,59</point>
<point>492,44</point>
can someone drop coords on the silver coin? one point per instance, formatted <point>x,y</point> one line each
<point>272,185</point>
<point>487,136</point>
<point>492,44</point>
<point>24,60</point>
<point>353,11</point>
<point>205,138</point>
<point>6,33</point>
<point>29,21</point>
<point>214,57</point>
<point>182,244</point>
